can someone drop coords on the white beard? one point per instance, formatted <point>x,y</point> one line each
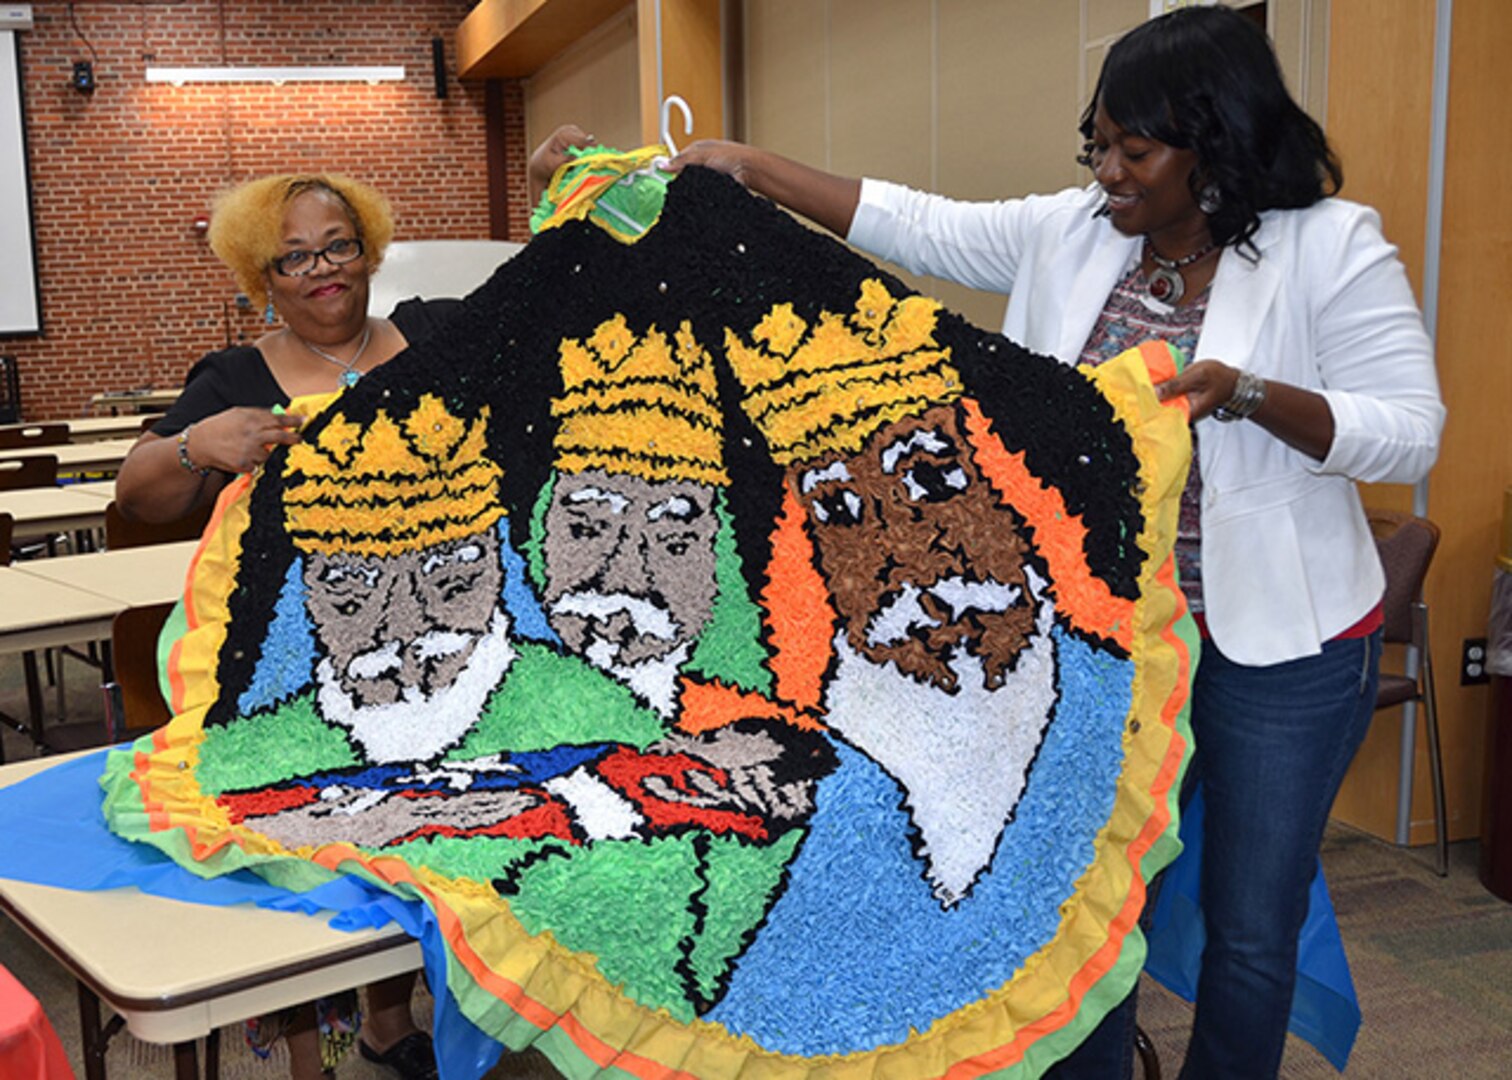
<point>652,681</point>
<point>961,758</point>
<point>420,727</point>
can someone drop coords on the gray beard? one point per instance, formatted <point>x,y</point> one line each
<point>420,727</point>
<point>962,758</point>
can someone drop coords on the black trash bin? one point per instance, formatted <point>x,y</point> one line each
<point>10,391</point>
<point>1496,814</point>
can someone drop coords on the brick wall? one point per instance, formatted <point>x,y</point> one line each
<point>131,295</point>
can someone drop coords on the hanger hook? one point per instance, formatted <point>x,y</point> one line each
<point>666,118</point>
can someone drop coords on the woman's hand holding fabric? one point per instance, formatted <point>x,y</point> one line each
<point>1207,384</point>
<point>552,154</point>
<point>238,440</point>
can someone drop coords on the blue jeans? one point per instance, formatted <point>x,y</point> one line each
<point>1272,747</point>
<point>1107,1053</point>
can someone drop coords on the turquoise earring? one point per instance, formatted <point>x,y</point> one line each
<point>269,315</point>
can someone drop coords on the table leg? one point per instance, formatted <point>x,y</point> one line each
<point>212,1055</point>
<point>93,1037</point>
<point>33,699</point>
<point>185,1065</point>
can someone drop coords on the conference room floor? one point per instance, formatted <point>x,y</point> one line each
<point>1430,958</point>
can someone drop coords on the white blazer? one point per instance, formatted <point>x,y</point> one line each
<point>1287,557</point>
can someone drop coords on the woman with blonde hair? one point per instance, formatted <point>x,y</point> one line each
<point>306,245</point>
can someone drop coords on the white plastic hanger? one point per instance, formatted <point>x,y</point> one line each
<point>666,117</point>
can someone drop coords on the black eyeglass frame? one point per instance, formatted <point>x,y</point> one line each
<point>358,250</point>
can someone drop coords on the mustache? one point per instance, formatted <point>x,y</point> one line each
<point>431,645</point>
<point>648,619</point>
<point>904,611</point>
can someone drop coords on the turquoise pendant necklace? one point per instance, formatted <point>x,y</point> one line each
<point>349,373</point>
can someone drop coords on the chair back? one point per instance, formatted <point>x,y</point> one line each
<point>123,532</point>
<point>7,524</point>
<point>135,698</point>
<point>1406,545</point>
<point>23,438</point>
<point>32,471</point>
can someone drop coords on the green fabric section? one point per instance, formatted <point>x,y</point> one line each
<point>535,556</point>
<point>174,627</point>
<point>625,902</point>
<point>630,205</point>
<point>272,747</point>
<point>730,646</point>
<point>743,879</point>
<point>480,858</point>
<point>550,700</point>
<point>573,1063</point>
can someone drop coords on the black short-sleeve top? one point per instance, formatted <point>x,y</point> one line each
<point>239,376</point>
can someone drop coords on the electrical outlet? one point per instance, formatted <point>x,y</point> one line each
<point>1473,662</point>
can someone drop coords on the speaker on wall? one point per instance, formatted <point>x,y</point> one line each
<point>438,65</point>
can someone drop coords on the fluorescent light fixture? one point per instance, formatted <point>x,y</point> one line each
<point>180,76</point>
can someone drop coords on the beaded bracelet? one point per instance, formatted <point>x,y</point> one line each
<point>1249,394</point>
<point>183,453</point>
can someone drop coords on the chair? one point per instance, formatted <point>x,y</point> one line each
<point>28,658</point>
<point>1406,545</point>
<point>123,532</point>
<point>34,471</point>
<point>24,438</point>
<point>133,700</point>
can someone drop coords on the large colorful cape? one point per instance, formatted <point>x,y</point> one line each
<point>755,668</point>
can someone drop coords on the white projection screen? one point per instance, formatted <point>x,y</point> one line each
<point>20,297</point>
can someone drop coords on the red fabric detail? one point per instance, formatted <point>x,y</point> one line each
<point>29,1047</point>
<point>627,770</point>
<point>1372,621</point>
<point>267,801</point>
<point>551,819</point>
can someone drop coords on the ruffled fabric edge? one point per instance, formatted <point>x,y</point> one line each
<point>528,990</point>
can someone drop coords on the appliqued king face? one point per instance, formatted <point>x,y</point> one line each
<point>629,565</point>
<point>921,557</point>
<point>402,626</point>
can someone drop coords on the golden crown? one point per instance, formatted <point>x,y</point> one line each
<point>390,487</point>
<point>643,406</point>
<point>827,387</point>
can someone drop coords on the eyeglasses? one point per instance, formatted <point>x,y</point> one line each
<point>338,253</point>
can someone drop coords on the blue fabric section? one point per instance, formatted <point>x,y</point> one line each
<point>527,767</point>
<point>55,835</point>
<point>527,617</point>
<point>288,653</point>
<point>857,922</point>
<point>1325,1010</point>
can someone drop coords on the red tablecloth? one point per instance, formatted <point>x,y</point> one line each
<point>29,1047</point>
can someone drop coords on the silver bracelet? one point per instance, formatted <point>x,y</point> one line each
<point>183,453</point>
<point>1249,395</point>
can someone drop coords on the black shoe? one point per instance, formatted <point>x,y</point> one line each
<point>412,1057</point>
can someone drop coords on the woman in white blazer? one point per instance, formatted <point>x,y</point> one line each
<point>1211,223</point>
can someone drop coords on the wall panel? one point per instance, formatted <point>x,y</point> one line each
<point>974,98</point>
<point>595,84</point>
